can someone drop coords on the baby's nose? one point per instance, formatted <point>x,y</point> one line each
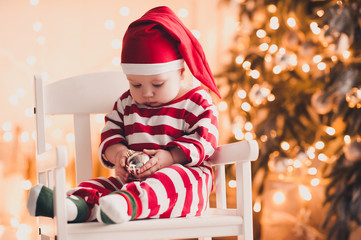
<point>147,92</point>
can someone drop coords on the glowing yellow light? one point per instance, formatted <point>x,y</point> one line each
<point>312,171</point>
<point>8,136</point>
<point>311,149</point>
<point>317,58</point>
<point>311,155</point>
<point>274,23</point>
<point>285,145</point>
<point>37,26</point>
<point>271,97</point>
<point>322,157</point>
<point>246,106</point>
<point>183,13</point>
<point>257,206</point>
<point>261,33</point>
<point>263,47</point>
<point>6,126</point>
<point>321,66</point>
<point>116,43</point>
<point>320,145</point>
<point>34,2</point>
<point>41,40</point>
<point>239,59</point>
<point>222,106</point>
<point>314,28</point>
<point>248,126</point>
<point>14,222</point>
<point>277,69</point>
<point>315,182</point>
<point>31,60</point>
<point>268,58</point>
<point>305,192</point>
<point>116,61</point>
<point>347,139</point>
<point>255,74</point>
<point>334,58</point>
<point>297,163</point>
<point>25,136</point>
<point>124,11</point>
<point>196,33</point>
<point>264,138</point>
<point>320,13</point>
<point>291,22</point>
<point>346,54</point>
<point>109,24</point>
<point>330,131</point>
<point>273,48</point>
<point>26,184</point>
<point>232,184</point>
<point>246,65</point>
<point>13,99</point>
<point>306,68</point>
<point>282,51</point>
<point>99,118</point>
<point>238,134</point>
<point>29,112</point>
<point>271,8</point>
<point>279,197</point>
<point>23,231</point>
<point>242,94</point>
<point>248,136</point>
<point>293,59</point>
<point>70,137</point>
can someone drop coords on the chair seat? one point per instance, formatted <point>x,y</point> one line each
<point>209,224</point>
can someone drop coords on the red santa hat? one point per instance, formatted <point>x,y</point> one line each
<point>159,42</point>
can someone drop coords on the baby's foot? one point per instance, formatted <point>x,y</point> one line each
<point>40,201</point>
<point>113,208</point>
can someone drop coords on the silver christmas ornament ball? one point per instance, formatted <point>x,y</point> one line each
<point>135,161</point>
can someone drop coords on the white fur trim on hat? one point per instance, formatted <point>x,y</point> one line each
<point>152,68</point>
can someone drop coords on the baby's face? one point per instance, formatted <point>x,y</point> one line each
<point>155,90</point>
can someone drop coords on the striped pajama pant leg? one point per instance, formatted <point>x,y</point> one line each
<point>174,191</point>
<point>93,189</point>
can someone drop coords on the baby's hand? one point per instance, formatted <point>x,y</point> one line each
<point>159,159</point>
<point>117,154</point>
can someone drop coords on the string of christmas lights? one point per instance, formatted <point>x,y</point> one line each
<point>294,85</point>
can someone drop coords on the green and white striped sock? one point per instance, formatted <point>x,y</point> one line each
<point>113,208</point>
<point>40,203</point>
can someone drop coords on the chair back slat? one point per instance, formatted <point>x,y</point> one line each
<point>83,148</point>
<point>88,93</point>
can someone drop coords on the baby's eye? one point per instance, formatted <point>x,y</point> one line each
<point>158,85</point>
<point>136,85</point>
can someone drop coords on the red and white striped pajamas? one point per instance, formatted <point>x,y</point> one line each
<point>189,123</point>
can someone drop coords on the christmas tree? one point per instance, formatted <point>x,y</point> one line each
<point>294,84</point>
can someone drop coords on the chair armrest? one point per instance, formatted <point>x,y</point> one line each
<point>235,152</point>
<point>52,159</point>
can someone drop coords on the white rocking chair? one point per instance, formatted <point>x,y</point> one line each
<point>96,93</point>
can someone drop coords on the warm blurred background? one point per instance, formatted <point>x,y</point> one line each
<point>288,72</point>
